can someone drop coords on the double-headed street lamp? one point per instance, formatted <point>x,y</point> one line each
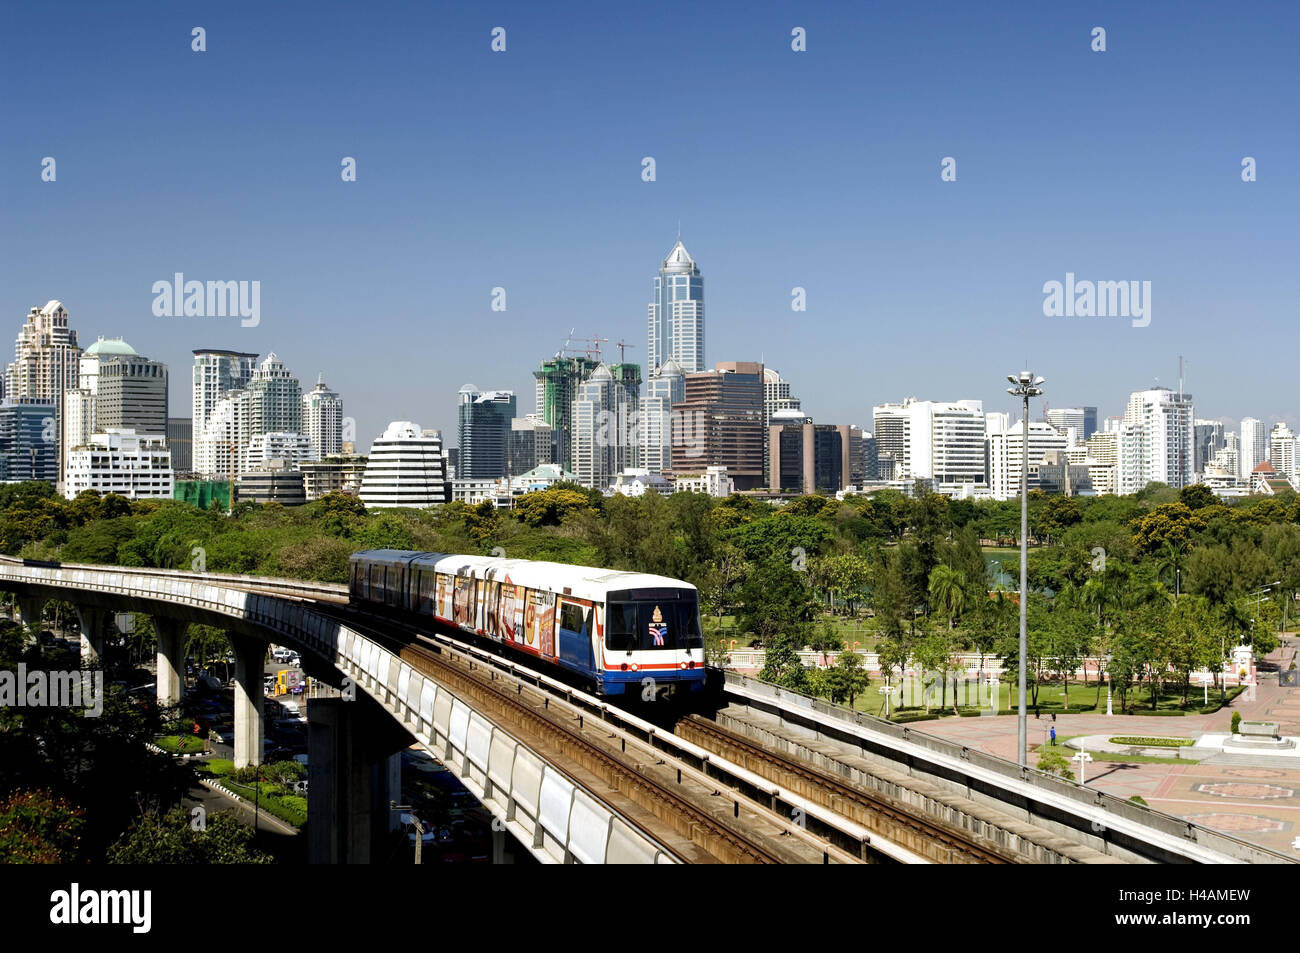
<point>1025,385</point>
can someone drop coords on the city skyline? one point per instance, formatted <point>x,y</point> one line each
<point>913,285</point>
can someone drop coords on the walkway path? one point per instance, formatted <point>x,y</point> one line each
<point>1257,803</point>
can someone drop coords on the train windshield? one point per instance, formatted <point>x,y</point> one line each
<point>654,623</point>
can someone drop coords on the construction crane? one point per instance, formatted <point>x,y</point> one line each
<point>591,350</point>
<point>621,345</point>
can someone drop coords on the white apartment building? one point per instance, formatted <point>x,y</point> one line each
<point>1282,452</point>
<point>322,419</point>
<point>292,448</point>
<point>1156,440</point>
<point>1006,453</point>
<point>1253,447</point>
<point>941,441</point>
<point>713,481</point>
<point>137,466</point>
<point>405,468</point>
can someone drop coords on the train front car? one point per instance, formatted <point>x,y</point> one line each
<point>652,644</point>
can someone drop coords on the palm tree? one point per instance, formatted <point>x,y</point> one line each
<point>948,591</point>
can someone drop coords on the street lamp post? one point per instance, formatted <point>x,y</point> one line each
<point>1024,385</point>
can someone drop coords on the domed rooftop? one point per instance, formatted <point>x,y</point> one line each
<point>670,368</point>
<point>108,347</point>
<point>601,373</point>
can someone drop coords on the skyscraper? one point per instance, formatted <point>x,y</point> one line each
<point>1253,449</point>
<point>720,423</point>
<point>667,386</point>
<point>676,313</point>
<point>1209,441</point>
<point>322,419</point>
<point>1156,440</point>
<point>484,432</point>
<point>275,398</point>
<point>132,395</point>
<point>595,454</point>
<point>557,386</point>
<point>219,379</point>
<point>46,365</point>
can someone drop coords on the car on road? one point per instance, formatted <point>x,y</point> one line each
<point>281,654</point>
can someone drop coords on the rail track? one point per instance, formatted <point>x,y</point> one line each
<point>671,799</point>
<point>874,812</point>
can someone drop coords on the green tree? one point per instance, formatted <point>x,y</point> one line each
<point>847,678</point>
<point>947,592</point>
<point>173,839</point>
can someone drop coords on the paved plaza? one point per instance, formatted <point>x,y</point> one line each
<point>1254,797</point>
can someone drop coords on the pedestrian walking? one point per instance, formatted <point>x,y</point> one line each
<point>1053,734</point>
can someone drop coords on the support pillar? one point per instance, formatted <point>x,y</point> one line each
<point>250,664</point>
<point>171,659</point>
<point>498,845</point>
<point>353,771</point>
<point>29,611</point>
<point>90,619</point>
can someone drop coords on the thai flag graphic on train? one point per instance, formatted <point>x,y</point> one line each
<point>658,629</point>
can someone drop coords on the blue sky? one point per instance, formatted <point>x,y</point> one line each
<point>522,170</point>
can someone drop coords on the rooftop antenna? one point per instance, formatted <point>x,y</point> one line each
<point>1180,377</point>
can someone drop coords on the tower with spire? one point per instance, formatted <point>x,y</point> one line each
<point>676,313</point>
<point>322,419</point>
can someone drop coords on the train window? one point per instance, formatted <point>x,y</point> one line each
<point>620,626</point>
<point>426,591</point>
<point>573,617</point>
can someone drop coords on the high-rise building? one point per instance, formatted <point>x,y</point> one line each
<point>557,387</point>
<point>217,373</point>
<point>1071,422</point>
<point>28,441</point>
<point>1006,453</point>
<point>484,432</point>
<point>1282,452</point>
<point>132,395</point>
<point>1089,422</point>
<point>275,399</point>
<point>776,397</point>
<point>322,419</point>
<point>137,466</point>
<point>939,441</point>
<point>676,313</point>
<point>335,473</point>
<point>595,437</point>
<point>46,365</point>
<point>891,423</point>
<point>811,458</point>
<point>720,423</point>
<point>533,442</point>
<point>1253,448</point>
<point>404,468</point>
<point>1208,442</point>
<point>666,387</point>
<point>1156,440</point>
<point>219,381</point>
<point>870,458</point>
<point>180,441</point>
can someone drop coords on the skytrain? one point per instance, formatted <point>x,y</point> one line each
<point>618,631</point>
